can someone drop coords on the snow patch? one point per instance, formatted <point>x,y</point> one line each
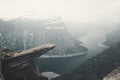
<point>50,75</point>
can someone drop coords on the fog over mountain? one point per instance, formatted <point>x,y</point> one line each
<point>85,32</point>
<point>79,15</point>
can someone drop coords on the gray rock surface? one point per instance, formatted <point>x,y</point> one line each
<point>114,75</point>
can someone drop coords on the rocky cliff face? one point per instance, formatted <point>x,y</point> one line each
<point>27,33</point>
<point>114,75</point>
<point>97,67</point>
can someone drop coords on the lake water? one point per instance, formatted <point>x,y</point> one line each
<point>60,65</point>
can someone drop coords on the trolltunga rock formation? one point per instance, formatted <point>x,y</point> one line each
<point>20,65</point>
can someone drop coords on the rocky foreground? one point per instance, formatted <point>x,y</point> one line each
<point>114,75</point>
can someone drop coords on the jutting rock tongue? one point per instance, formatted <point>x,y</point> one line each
<point>20,65</point>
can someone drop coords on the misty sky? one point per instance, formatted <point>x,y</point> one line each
<point>69,10</point>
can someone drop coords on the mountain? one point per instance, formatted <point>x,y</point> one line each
<point>97,67</point>
<point>23,33</point>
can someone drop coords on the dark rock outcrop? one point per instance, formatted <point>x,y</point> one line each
<point>20,65</point>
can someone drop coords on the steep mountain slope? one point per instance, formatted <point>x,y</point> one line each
<point>97,67</point>
<point>22,34</point>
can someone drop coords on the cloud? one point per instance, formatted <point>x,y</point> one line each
<point>73,10</point>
